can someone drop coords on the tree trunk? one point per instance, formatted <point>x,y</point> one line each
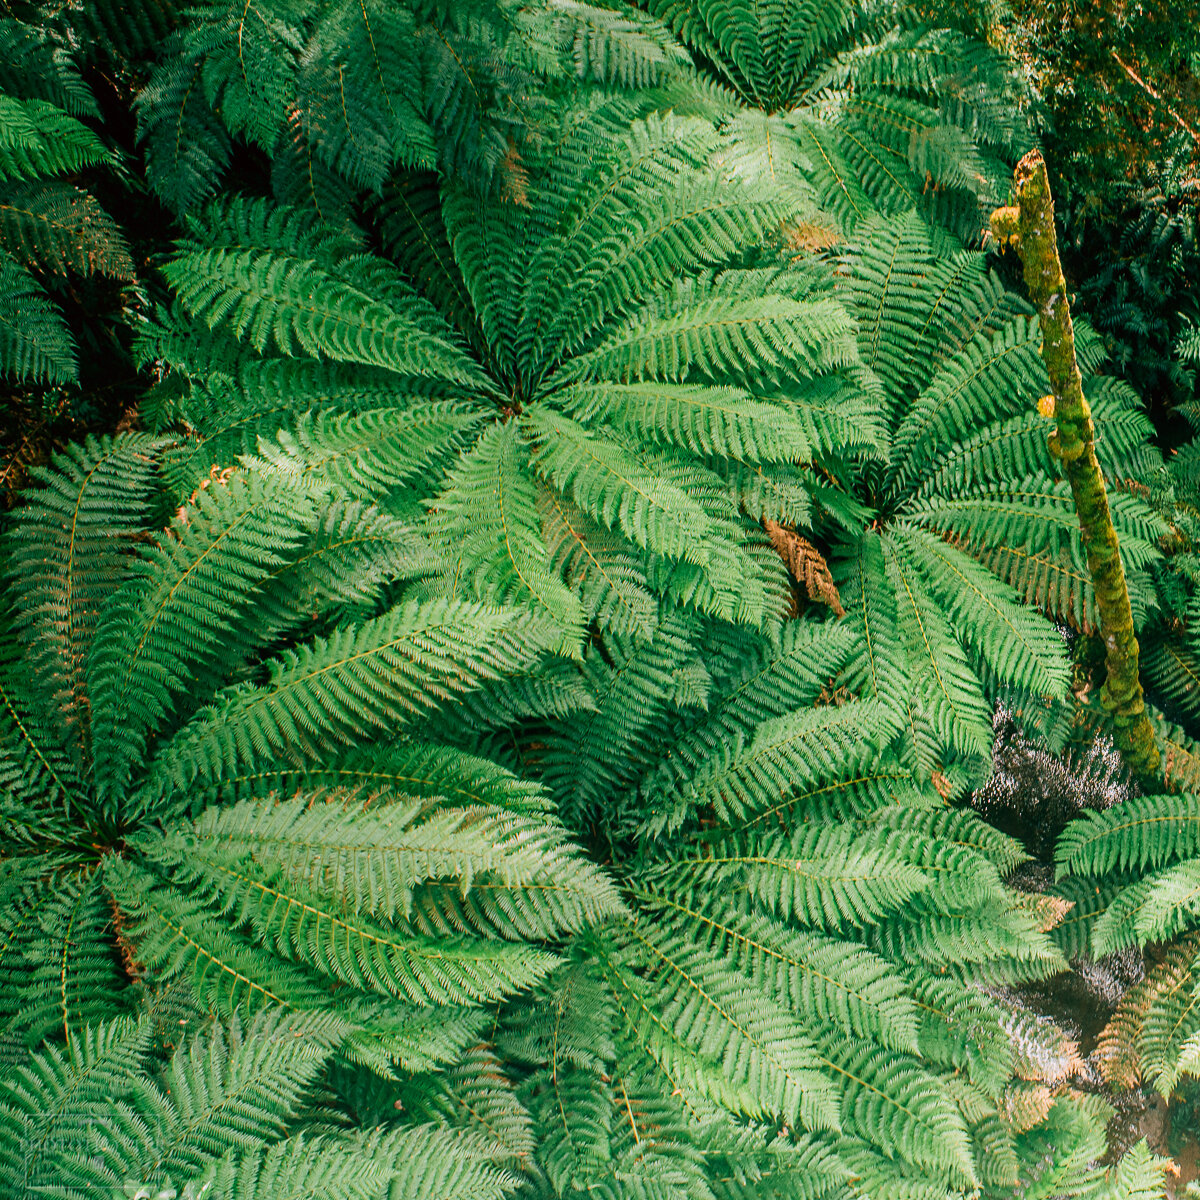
<point>1030,227</point>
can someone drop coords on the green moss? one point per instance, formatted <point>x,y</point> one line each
<point>1030,227</point>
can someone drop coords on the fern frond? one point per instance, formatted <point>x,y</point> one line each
<point>598,567</point>
<point>614,488</point>
<point>704,1033</point>
<point>823,877</point>
<point>242,274</point>
<point>1020,647</point>
<point>354,682</point>
<point>165,626</point>
<point>54,1098</point>
<point>832,983</point>
<point>488,521</point>
<point>61,228</point>
<point>769,339</point>
<point>99,493</point>
<point>721,421</point>
<point>38,139</point>
<point>35,343</point>
<point>368,454</point>
<point>785,754</point>
<point>1143,832</point>
<point>222,1092</point>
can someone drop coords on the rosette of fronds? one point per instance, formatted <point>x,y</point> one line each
<point>803,990</point>
<point>595,394</point>
<point>869,108</point>
<point>213,765</point>
<point>968,527</point>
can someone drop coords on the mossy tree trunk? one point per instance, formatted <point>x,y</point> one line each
<point>1029,226</point>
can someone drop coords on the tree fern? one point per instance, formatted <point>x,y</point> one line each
<point>859,108</point>
<point>962,535</point>
<point>659,387</point>
<point>781,960</point>
<point>124,688</point>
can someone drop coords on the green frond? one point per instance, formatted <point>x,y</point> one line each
<point>440,774</point>
<point>880,669</point>
<point>595,752</point>
<point>57,1095</point>
<point>963,1028</point>
<point>949,693</point>
<point>242,275</point>
<point>358,680</point>
<point>98,494</point>
<point>822,876</point>
<point>174,617</point>
<point>293,1169</point>
<point>60,228</point>
<point>1171,667</point>
<point>187,147</point>
<point>223,1091</point>
<point>598,567</point>
<point>769,683</point>
<point>891,266</point>
<point>474,1100</point>
<point>315,928</point>
<point>1004,945</point>
<point>34,68</point>
<point>990,378</point>
<point>613,487</point>
<point>704,420</point>
<point>902,1109</point>
<point>769,339</point>
<point>368,454</point>
<point>70,974</point>
<point>488,523</point>
<point>834,984</point>
<point>409,220</point>
<point>347,558</point>
<point>513,877</point>
<point>696,1023</point>
<point>430,1164</point>
<point>1143,832</point>
<point>830,172</point>
<point>1020,647</point>
<point>784,755</point>
<point>355,103</point>
<point>620,49</point>
<point>39,139</point>
<point>35,343</point>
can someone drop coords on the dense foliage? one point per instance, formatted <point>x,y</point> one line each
<point>499,718</point>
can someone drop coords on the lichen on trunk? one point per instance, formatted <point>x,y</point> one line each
<point>1029,226</point>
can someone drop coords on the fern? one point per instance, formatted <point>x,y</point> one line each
<point>149,723</point>
<point>550,315</point>
<point>862,105</point>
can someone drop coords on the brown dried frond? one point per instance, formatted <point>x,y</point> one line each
<point>1026,1105</point>
<point>1048,911</point>
<point>1180,767</point>
<point>133,968</point>
<point>514,177</point>
<point>806,564</point>
<point>806,237</point>
<point>1042,1052</point>
<point>1118,1050</point>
